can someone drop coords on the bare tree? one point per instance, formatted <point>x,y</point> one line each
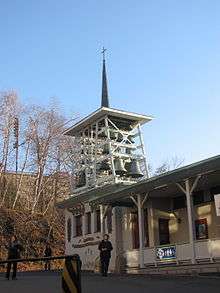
<point>168,165</point>
<point>28,196</point>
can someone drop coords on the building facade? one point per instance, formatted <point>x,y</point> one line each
<point>167,220</point>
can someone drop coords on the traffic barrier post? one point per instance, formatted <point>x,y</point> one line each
<point>71,276</point>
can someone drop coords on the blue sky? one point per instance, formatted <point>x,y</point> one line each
<point>163,60</point>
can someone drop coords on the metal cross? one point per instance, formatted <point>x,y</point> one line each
<point>103,52</point>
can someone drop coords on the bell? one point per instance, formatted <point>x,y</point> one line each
<point>113,135</point>
<point>104,166</point>
<point>134,169</point>
<point>103,134</point>
<point>128,151</point>
<point>130,138</point>
<point>106,149</point>
<point>120,137</point>
<point>81,180</point>
<point>119,167</point>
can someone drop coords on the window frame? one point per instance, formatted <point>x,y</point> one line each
<point>88,223</point>
<point>78,226</point>
<point>98,221</point>
<point>69,229</point>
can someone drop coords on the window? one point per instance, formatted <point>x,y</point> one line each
<point>78,222</point>
<point>198,197</point>
<point>109,220</point>
<point>69,228</point>
<point>203,196</point>
<point>179,202</point>
<point>214,190</point>
<point>135,230</point>
<point>164,233</point>
<point>98,221</point>
<point>146,230</point>
<point>88,223</point>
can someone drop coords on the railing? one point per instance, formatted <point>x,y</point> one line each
<point>34,259</point>
<point>71,274</point>
<point>205,250</point>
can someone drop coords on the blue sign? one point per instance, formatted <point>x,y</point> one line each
<point>166,252</point>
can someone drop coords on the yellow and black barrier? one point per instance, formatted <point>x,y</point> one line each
<point>71,276</point>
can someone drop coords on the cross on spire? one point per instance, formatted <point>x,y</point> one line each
<point>103,52</point>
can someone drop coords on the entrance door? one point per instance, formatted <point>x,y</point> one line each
<point>164,235</point>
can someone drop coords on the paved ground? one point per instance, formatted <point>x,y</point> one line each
<point>50,283</point>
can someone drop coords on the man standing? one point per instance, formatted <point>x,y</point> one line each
<point>105,248</point>
<point>47,253</point>
<point>14,249</point>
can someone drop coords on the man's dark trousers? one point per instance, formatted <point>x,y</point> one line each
<point>104,265</point>
<point>14,267</point>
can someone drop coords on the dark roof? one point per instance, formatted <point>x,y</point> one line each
<point>180,174</point>
<point>90,194</point>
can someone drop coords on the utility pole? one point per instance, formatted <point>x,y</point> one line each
<point>16,136</point>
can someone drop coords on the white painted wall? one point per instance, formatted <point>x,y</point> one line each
<point>87,244</point>
<point>121,236</point>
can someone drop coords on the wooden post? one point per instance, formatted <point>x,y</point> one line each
<point>141,230</point>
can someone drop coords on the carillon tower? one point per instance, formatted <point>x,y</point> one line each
<point>109,146</point>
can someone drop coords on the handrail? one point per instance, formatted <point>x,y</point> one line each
<point>35,259</point>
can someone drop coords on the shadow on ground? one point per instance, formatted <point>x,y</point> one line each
<point>50,282</point>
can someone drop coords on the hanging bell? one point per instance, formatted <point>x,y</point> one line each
<point>130,139</point>
<point>81,180</point>
<point>128,168</point>
<point>120,137</point>
<point>128,151</point>
<point>103,134</point>
<point>104,166</point>
<point>113,134</point>
<point>106,149</point>
<point>119,167</point>
<point>134,169</point>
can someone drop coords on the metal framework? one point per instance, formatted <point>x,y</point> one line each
<point>105,150</point>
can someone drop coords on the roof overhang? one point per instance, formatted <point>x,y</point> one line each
<point>90,195</point>
<point>163,185</point>
<point>102,112</point>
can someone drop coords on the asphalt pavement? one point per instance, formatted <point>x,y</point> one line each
<point>50,282</point>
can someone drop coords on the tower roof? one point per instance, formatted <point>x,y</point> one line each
<point>105,99</point>
<point>102,112</point>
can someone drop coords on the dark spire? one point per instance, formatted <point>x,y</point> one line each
<point>105,100</point>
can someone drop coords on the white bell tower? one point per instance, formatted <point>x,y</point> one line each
<point>109,146</point>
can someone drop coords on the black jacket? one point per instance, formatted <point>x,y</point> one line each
<point>14,249</point>
<point>105,248</point>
